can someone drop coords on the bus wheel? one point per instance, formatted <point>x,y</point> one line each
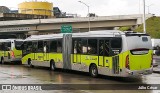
<point>2,60</point>
<point>30,63</point>
<point>52,65</point>
<point>93,70</point>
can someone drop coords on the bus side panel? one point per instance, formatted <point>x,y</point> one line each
<point>17,53</point>
<point>57,57</point>
<point>121,62</point>
<point>1,53</point>
<point>40,57</point>
<point>101,61</point>
<point>86,60</point>
<point>108,62</point>
<point>26,57</point>
<point>6,56</point>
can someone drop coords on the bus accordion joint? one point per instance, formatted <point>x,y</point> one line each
<point>12,54</point>
<point>127,62</point>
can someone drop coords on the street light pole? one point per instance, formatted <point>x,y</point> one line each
<point>88,14</point>
<point>144,17</point>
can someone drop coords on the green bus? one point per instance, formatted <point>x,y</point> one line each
<point>108,52</point>
<point>10,50</point>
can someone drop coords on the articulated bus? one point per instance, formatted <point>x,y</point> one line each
<point>10,50</point>
<point>112,53</point>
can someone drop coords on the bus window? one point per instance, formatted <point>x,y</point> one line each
<point>2,46</point>
<point>7,46</point>
<point>77,46</point>
<point>116,46</point>
<point>92,46</point>
<point>116,43</point>
<point>59,46</point>
<point>84,46</point>
<point>46,46</point>
<point>24,48</point>
<point>29,47</point>
<point>18,44</point>
<point>106,48</point>
<point>40,46</point>
<point>103,47</point>
<point>53,46</point>
<point>34,47</point>
<point>74,46</point>
<point>144,39</point>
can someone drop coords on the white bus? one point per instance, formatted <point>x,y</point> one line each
<point>112,53</point>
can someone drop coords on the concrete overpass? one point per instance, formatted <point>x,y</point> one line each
<point>45,26</point>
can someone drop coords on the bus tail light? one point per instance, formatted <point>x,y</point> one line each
<point>12,54</point>
<point>127,61</point>
<point>151,60</point>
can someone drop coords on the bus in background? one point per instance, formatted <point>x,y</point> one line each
<point>10,50</point>
<point>108,52</point>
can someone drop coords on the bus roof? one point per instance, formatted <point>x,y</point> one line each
<point>42,37</point>
<point>9,40</point>
<point>101,33</point>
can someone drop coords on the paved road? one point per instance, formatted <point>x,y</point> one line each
<point>156,61</point>
<point>20,74</point>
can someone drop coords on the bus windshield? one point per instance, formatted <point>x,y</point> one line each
<point>18,44</point>
<point>139,45</point>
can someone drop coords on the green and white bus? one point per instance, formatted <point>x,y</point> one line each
<point>10,50</point>
<point>112,53</point>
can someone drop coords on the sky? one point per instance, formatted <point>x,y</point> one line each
<point>99,7</point>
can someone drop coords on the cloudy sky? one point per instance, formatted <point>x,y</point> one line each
<point>99,7</point>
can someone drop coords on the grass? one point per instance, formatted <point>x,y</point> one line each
<point>152,27</point>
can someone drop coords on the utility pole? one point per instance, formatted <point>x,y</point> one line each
<point>144,17</point>
<point>88,14</point>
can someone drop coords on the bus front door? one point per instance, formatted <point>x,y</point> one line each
<point>77,51</point>
<point>45,51</point>
<point>34,47</point>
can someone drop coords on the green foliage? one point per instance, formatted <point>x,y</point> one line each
<point>126,28</point>
<point>152,27</point>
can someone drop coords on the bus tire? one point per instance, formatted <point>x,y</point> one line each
<point>93,70</point>
<point>2,60</point>
<point>30,63</point>
<point>52,65</point>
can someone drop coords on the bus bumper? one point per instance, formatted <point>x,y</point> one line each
<point>139,72</point>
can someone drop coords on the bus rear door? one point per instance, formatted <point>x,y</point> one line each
<point>103,58</point>
<point>77,48</point>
